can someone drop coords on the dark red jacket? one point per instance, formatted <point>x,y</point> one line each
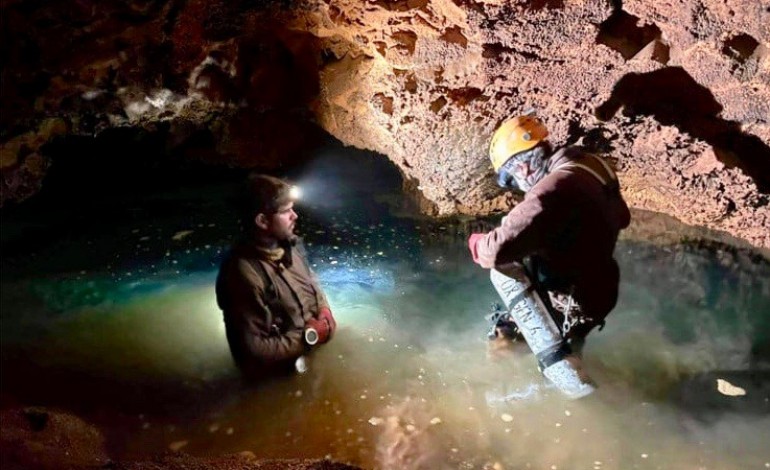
<point>569,223</point>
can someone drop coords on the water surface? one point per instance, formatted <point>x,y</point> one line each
<point>112,316</point>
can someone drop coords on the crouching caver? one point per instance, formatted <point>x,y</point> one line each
<point>552,255</point>
<point>274,310</point>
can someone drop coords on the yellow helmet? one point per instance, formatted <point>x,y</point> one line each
<point>513,136</point>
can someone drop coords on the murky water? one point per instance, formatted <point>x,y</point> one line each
<point>116,321</point>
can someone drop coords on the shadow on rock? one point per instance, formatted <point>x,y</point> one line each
<point>674,98</point>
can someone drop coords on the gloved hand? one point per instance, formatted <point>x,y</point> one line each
<point>317,331</point>
<point>326,314</point>
<point>473,240</point>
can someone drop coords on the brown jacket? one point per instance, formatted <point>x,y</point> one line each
<point>569,224</point>
<point>265,306</point>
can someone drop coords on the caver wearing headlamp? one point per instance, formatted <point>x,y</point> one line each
<point>551,258</point>
<point>274,309</point>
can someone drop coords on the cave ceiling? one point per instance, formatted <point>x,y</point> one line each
<point>676,93</point>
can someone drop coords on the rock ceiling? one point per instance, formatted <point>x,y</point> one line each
<point>676,92</point>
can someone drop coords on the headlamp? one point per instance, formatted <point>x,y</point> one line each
<point>295,193</point>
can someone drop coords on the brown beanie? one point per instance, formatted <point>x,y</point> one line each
<point>264,194</point>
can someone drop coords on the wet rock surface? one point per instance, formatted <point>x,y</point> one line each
<point>240,461</point>
<point>676,95</point>
<point>42,438</point>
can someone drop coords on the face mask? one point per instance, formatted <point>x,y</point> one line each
<point>524,170</point>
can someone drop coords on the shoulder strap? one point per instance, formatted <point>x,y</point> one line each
<point>570,165</point>
<point>611,174</point>
<point>262,272</point>
<point>606,166</point>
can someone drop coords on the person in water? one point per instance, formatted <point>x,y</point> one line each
<point>561,237</point>
<point>275,312</point>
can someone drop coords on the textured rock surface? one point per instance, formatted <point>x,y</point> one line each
<point>48,439</point>
<point>242,461</point>
<point>44,439</point>
<point>678,92</point>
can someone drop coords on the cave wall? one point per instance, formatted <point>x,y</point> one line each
<point>676,93</point>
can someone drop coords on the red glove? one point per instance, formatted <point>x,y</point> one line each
<point>473,240</point>
<point>326,314</point>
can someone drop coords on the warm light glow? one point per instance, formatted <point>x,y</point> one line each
<point>295,193</point>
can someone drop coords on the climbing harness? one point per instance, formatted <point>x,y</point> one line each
<point>501,323</point>
<point>571,314</point>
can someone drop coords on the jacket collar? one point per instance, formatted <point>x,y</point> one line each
<point>281,254</point>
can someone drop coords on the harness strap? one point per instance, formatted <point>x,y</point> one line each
<point>550,357</point>
<point>570,165</point>
<point>606,166</point>
<point>269,286</point>
<point>612,186</point>
<point>270,290</point>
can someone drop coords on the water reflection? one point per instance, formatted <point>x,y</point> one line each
<point>410,380</point>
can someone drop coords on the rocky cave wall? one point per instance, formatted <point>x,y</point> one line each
<point>677,93</point>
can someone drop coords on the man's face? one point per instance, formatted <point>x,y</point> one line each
<point>281,224</point>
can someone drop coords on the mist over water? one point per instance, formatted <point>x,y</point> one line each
<point>121,328</point>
